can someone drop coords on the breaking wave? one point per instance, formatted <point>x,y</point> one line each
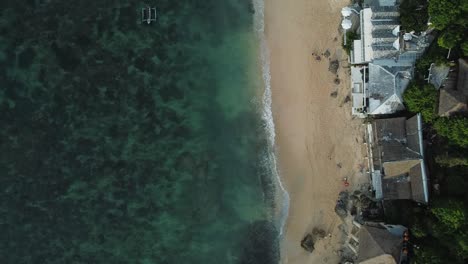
<point>269,156</point>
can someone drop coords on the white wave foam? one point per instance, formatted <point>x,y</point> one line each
<point>267,115</point>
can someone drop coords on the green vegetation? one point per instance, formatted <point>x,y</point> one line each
<point>451,160</point>
<point>450,17</point>
<point>451,215</point>
<point>350,37</point>
<point>446,13</point>
<point>421,100</point>
<point>455,129</point>
<point>450,38</point>
<point>451,226</point>
<point>440,231</point>
<point>434,54</point>
<point>427,255</point>
<point>413,15</point>
<point>464,47</point>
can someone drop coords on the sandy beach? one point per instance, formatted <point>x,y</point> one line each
<point>318,141</point>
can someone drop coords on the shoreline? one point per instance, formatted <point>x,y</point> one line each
<point>317,141</point>
<point>281,196</point>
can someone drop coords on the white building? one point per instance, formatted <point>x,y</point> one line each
<point>382,59</point>
<point>359,91</point>
<point>380,34</point>
<point>387,83</point>
<point>379,243</point>
<point>377,88</point>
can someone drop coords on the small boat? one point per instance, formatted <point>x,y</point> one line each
<point>148,14</point>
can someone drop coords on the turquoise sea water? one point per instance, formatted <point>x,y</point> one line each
<point>130,143</point>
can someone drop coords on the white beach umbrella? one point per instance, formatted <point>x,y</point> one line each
<point>346,24</point>
<point>346,11</point>
<point>407,36</point>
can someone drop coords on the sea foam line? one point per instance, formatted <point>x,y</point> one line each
<point>267,115</point>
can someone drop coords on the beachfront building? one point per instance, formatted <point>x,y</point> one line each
<point>388,80</point>
<point>374,243</point>
<point>378,88</point>
<point>452,83</point>
<point>379,33</point>
<point>441,75</point>
<point>359,91</point>
<point>396,159</point>
<point>388,53</point>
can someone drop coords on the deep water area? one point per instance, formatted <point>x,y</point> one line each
<point>127,142</point>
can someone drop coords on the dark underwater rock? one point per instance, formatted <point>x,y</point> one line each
<point>261,245</point>
<point>26,57</point>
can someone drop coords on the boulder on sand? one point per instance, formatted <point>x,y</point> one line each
<point>307,243</point>
<point>341,204</point>
<point>333,66</point>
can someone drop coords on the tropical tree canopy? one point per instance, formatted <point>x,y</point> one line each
<point>455,129</point>
<point>421,100</point>
<point>444,12</point>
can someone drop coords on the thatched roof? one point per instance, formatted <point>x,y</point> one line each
<point>438,74</point>
<point>462,83</point>
<point>453,97</point>
<point>405,186</point>
<point>451,101</point>
<point>382,259</point>
<point>398,168</point>
<point>375,242</point>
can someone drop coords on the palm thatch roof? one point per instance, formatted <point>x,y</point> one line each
<point>453,97</point>
<point>375,242</point>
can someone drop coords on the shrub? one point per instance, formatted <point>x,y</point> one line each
<point>464,47</point>
<point>451,161</point>
<point>451,215</point>
<point>450,38</point>
<point>435,54</point>
<point>443,12</point>
<point>350,37</point>
<point>418,231</point>
<point>455,129</point>
<point>425,255</point>
<point>414,15</point>
<point>450,17</point>
<point>421,100</point>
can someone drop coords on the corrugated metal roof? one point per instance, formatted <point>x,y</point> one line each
<point>387,82</point>
<point>377,184</point>
<point>396,188</point>
<point>398,146</point>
